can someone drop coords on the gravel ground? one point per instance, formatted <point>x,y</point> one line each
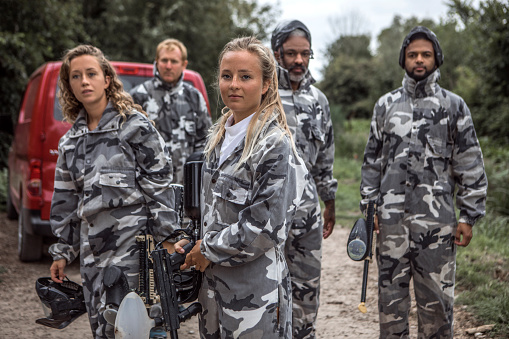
<point>338,316</point>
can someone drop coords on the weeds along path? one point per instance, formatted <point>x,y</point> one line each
<point>338,316</point>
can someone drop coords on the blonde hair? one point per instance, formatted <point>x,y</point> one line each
<point>171,44</point>
<point>115,93</point>
<point>270,107</point>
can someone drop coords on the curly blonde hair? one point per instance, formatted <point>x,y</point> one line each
<point>115,93</point>
<point>270,107</point>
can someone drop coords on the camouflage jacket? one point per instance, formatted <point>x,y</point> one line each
<point>308,116</point>
<point>246,216</point>
<point>180,115</point>
<point>109,183</point>
<point>422,145</point>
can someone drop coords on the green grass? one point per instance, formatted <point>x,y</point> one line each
<point>482,273</point>
<point>350,141</point>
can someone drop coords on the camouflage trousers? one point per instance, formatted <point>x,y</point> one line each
<point>303,252</point>
<point>92,274</point>
<point>424,251</point>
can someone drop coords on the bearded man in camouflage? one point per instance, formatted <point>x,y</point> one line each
<point>176,107</point>
<point>422,146</point>
<point>308,116</point>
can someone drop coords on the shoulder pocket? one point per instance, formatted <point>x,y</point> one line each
<point>118,187</point>
<point>231,190</point>
<point>316,132</point>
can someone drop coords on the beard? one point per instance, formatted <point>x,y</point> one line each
<point>419,77</point>
<point>297,77</point>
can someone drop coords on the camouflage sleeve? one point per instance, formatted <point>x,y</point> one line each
<point>153,174</point>
<point>322,172</point>
<point>203,123</point>
<point>64,220</point>
<point>279,176</point>
<point>468,169</point>
<point>371,170</point>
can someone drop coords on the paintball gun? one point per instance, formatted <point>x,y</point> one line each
<point>173,284</point>
<point>360,246</point>
<point>163,287</point>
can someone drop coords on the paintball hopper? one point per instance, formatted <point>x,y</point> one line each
<point>62,303</point>
<point>358,241</point>
<point>132,320</point>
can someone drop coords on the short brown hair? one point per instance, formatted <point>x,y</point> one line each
<point>171,44</point>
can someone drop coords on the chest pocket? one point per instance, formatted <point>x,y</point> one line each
<point>437,159</point>
<point>118,187</point>
<point>310,138</point>
<point>231,196</point>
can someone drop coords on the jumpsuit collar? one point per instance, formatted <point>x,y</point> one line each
<point>110,120</point>
<point>424,88</point>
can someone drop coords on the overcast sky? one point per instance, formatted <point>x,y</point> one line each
<point>369,16</point>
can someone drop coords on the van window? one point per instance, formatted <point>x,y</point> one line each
<point>31,95</point>
<point>129,81</point>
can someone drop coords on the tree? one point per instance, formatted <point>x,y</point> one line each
<point>346,79</point>
<point>31,33</point>
<point>487,33</point>
<point>203,26</point>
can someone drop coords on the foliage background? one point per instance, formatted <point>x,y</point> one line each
<point>475,41</point>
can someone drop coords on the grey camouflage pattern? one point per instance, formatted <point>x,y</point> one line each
<point>422,146</point>
<point>246,216</point>
<point>308,116</point>
<point>110,183</point>
<point>180,115</point>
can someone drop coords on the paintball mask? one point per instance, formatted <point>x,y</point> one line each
<point>62,303</point>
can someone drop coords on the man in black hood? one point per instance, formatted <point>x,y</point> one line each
<point>422,152</point>
<point>308,116</point>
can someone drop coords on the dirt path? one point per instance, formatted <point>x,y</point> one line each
<point>338,316</point>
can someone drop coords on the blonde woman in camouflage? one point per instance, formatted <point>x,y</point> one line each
<point>252,183</point>
<point>111,181</point>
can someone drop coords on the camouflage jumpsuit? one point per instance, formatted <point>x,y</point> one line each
<point>109,184</point>
<point>422,145</point>
<point>308,116</point>
<point>246,215</point>
<point>180,115</point>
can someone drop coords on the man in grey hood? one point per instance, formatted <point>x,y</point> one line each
<point>422,152</point>
<point>308,116</point>
<point>177,108</point>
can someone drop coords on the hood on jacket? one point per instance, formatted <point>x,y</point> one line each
<point>283,30</point>
<point>422,32</point>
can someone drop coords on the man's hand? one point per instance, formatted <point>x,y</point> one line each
<point>463,234</point>
<point>57,270</point>
<point>329,218</point>
<point>195,258</point>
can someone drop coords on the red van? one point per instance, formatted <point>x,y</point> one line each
<point>34,150</point>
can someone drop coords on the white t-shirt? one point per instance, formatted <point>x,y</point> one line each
<point>233,136</point>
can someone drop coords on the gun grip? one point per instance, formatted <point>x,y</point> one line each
<point>177,259</point>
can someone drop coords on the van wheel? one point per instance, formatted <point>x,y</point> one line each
<point>12,214</point>
<point>29,246</point>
